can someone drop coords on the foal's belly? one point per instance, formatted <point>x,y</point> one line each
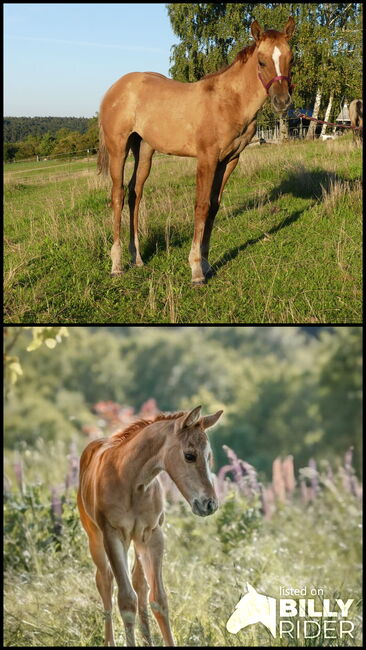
<point>175,138</point>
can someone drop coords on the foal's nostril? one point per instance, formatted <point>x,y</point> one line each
<point>210,506</point>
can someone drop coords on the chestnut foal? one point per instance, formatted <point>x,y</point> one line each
<point>120,501</point>
<point>212,119</point>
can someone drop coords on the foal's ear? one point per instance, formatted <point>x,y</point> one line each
<point>289,27</point>
<point>209,420</point>
<point>189,419</point>
<point>256,30</point>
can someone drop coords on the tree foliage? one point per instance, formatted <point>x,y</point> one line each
<point>67,139</point>
<point>18,128</point>
<point>283,391</point>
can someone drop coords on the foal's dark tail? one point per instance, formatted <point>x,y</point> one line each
<point>103,156</point>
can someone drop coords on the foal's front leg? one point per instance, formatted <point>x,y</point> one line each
<point>205,175</point>
<point>152,557</point>
<point>141,587</point>
<point>127,600</point>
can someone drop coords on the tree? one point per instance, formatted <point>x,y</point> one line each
<point>90,139</point>
<point>47,144</point>
<point>211,35</point>
<point>69,143</point>
<point>50,336</point>
<point>9,151</point>
<point>340,391</point>
<point>28,148</point>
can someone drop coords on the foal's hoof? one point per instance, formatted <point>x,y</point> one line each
<point>116,272</point>
<point>198,283</point>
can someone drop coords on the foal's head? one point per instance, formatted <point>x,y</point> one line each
<point>187,460</point>
<point>274,59</point>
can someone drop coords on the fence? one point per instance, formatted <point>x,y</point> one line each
<point>70,154</point>
<point>295,128</point>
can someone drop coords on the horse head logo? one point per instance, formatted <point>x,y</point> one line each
<point>253,608</point>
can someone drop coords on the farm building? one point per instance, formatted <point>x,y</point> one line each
<point>343,117</point>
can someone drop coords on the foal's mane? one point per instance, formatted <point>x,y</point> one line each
<point>127,433</point>
<point>245,53</point>
<point>242,56</point>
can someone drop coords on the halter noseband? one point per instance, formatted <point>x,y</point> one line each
<point>267,86</point>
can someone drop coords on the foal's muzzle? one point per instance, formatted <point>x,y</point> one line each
<point>280,104</point>
<point>204,507</point>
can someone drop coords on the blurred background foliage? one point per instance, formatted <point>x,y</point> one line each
<point>284,390</point>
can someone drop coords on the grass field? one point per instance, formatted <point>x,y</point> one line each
<point>286,246</point>
<point>49,583</point>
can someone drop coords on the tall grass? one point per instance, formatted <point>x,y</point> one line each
<point>50,593</point>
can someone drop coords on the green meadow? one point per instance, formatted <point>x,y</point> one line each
<point>286,246</point>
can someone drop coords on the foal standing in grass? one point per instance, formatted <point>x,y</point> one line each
<point>120,501</point>
<point>213,120</point>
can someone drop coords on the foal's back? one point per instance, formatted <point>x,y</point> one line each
<point>167,114</point>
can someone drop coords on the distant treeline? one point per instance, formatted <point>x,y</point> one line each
<point>56,140</point>
<point>18,128</point>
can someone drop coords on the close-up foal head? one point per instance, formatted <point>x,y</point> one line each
<point>274,59</point>
<point>187,460</point>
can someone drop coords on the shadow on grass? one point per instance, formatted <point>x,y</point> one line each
<point>157,240</point>
<point>303,185</point>
<point>234,252</point>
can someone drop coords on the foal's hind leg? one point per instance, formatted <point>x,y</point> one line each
<point>117,156</point>
<point>104,575</point>
<point>104,580</point>
<point>143,154</point>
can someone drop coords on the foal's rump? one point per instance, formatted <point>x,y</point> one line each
<point>85,484</point>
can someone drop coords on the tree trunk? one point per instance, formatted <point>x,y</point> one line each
<point>283,127</point>
<point>327,112</point>
<point>311,130</point>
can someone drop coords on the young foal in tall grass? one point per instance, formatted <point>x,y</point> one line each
<point>120,501</point>
<point>213,119</point>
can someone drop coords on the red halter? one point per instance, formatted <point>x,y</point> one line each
<point>267,86</point>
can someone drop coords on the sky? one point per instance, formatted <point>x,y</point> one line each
<point>59,59</point>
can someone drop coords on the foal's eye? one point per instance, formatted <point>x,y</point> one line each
<point>190,458</point>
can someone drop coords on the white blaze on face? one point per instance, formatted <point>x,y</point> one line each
<point>206,452</point>
<point>276,60</point>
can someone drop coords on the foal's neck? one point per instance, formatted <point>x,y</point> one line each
<point>242,79</point>
<point>145,457</point>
